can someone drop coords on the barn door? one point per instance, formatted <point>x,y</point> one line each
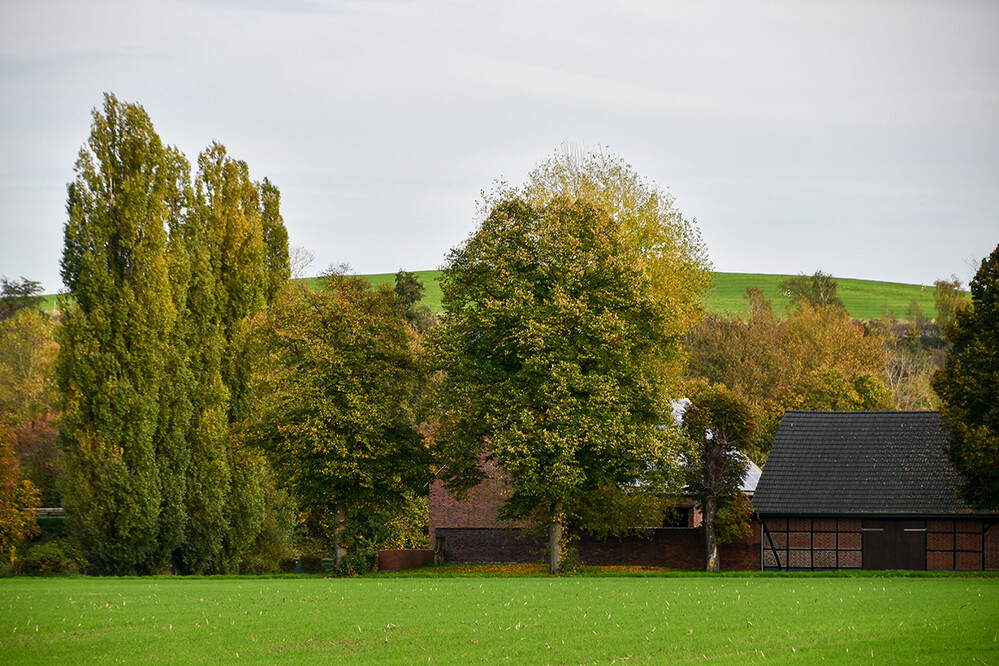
<point>894,544</point>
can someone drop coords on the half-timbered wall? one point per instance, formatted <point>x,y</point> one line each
<point>805,543</point>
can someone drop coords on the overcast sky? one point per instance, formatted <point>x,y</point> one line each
<point>859,138</point>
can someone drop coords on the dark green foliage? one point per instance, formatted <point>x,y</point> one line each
<point>338,377</point>
<point>969,390</point>
<point>164,278</point>
<point>19,295</point>
<point>311,564</point>
<point>51,558</point>
<point>719,424</point>
<point>818,289</point>
<point>287,565</point>
<point>409,288</point>
<point>112,369</point>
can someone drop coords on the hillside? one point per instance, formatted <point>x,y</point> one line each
<point>864,299</point>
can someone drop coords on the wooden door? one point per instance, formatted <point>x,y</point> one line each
<point>894,544</point>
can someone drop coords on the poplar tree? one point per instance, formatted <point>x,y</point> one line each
<point>111,368</point>
<point>244,266</point>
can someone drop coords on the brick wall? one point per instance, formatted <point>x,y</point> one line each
<point>992,548</point>
<point>479,510</point>
<point>674,548</point>
<point>472,532</point>
<point>394,560</point>
<point>490,544</point>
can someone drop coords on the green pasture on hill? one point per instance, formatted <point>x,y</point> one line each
<point>864,299</point>
<point>397,620</point>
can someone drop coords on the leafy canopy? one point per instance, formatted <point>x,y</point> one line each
<point>338,376</point>
<point>969,390</point>
<point>561,342</point>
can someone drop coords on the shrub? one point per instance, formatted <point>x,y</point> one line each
<point>311,564</point>
<point>287,564</point>
<point>51,559</point>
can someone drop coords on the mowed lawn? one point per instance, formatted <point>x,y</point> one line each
<point>383,619</point>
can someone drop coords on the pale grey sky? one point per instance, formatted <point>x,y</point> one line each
<point>860,138</point>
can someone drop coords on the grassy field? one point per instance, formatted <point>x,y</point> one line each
<point>864,299</point>
<point>407,620</point>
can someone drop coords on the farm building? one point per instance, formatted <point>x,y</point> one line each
<point>471,531</point>
<point>867,490</point>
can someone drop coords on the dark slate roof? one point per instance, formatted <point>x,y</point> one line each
<point>843,463</point>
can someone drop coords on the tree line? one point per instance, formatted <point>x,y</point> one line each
<point>195,411</point>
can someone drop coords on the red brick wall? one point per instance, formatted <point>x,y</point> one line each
<point>992,548</point>
<point>806,543</point>
<point>490,544</point>
<point>675,548</point>
<point>480,509</point>
<point>472,532</point>
<point>394,560</point>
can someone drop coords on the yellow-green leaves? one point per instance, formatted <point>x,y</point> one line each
<point>561,341</point>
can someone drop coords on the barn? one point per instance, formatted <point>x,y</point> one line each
<point>867,490</point>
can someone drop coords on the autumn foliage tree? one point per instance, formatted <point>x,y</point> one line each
<point>969,390</point>
<point>339,376</point>
<point>18,499</point>
<point>815,358</point>
<point>561,341</point>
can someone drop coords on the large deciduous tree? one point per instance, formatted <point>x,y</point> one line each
<point>339,376</point>
<point>561,340</point>
<point>968,387</point>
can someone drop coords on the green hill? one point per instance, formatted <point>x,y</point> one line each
<point>864,299</point>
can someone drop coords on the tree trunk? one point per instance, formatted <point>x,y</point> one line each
<point>555,541</point>
<point>339,520</point>
<point>712,562</point>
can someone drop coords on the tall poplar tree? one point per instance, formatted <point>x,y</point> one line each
<point>244,266</point>
<point>112,367</point>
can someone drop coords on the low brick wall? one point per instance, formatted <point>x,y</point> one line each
<point>394,560</point>
<point>467,545</point>
<point>675,548</point>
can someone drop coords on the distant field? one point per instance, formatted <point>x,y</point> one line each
<point>397,620</point>
<point>865,299</point>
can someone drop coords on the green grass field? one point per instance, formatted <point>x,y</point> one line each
<point>410,620</point>
<point>864,299</point>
